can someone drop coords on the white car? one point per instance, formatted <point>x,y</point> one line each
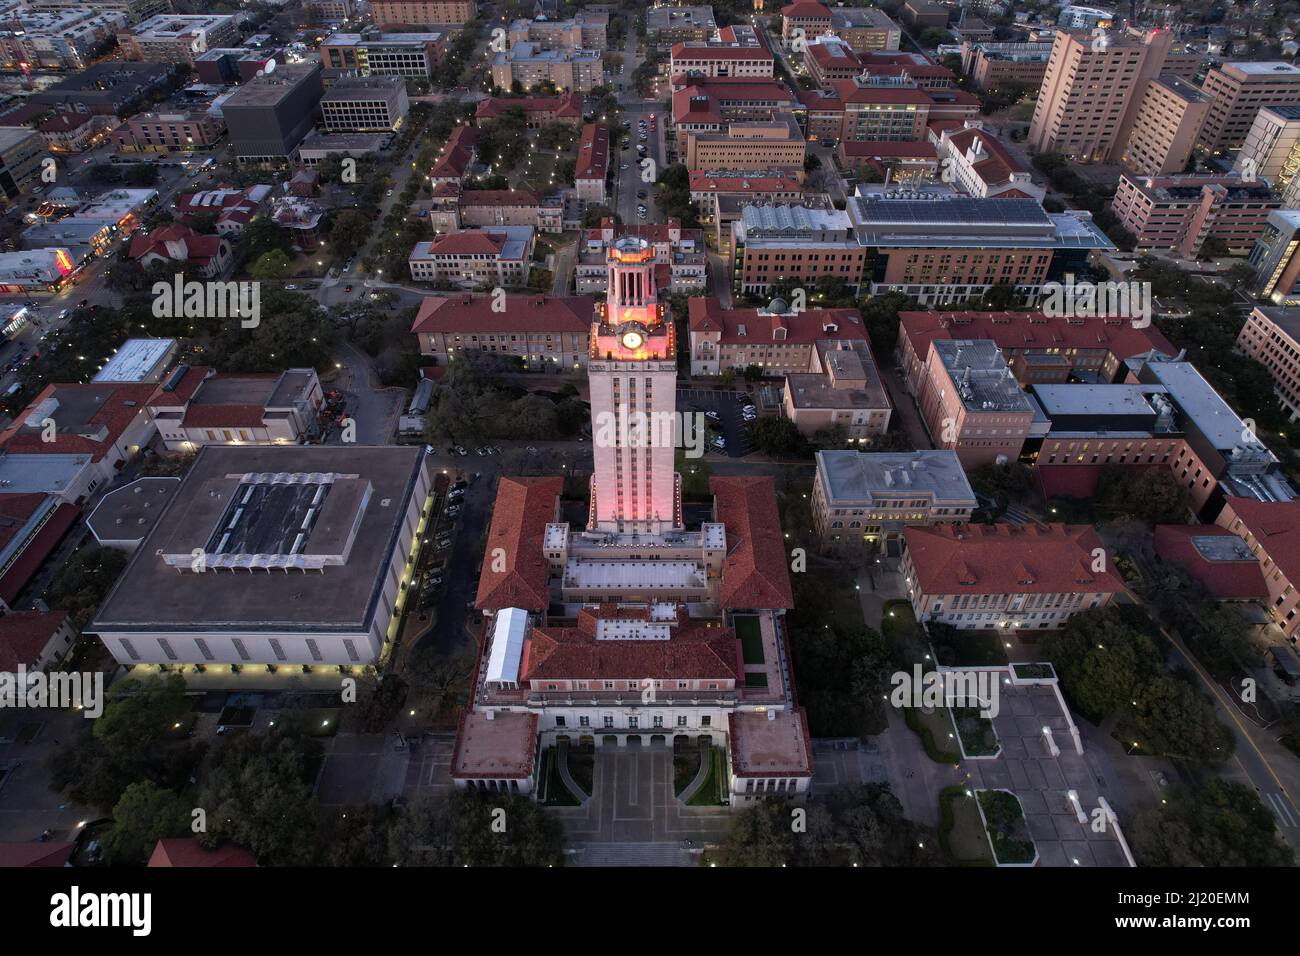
<point>622,166</point>
<point>719,443</point>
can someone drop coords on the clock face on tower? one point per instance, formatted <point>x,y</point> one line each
<point>632,335</point>
<point>632,339</point>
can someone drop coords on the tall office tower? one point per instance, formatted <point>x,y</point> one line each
<point>633,378</point>
<point>1092,91</point>
<point>1238,91</point>
<point>1169,118</point>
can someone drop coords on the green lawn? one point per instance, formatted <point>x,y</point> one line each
<point>751,637</point>
<point>936,733</point>
<point>961,833</point>
<point>758,679</point>
<point>898,625</point>
<point>977,736</point>
<point>1006,827</point>
<point>982,648</point>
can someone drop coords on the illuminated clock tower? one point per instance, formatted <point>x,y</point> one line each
<point>633,378</point>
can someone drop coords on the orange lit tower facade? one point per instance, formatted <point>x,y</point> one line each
<point>633,378</point>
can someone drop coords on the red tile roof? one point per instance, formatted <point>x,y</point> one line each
<point>682,51</point>
<point>198,248</point>
<point>188,852</point>
<point>454,160</point>
<point>15,510</point>
<point>523,313</point>
<point>997,166</point>
<point>24,634</point>
<point>520,514</point>
<point>849,92</point>
<point>806,9</point>
<point>755,574</point>
<point>38,549</point>
<point>119,406</point>
<point>184,390</point>
<point>1032,330</point>
<point>918,149</point>
<point>567,106</point>
<point>708,315</point>
<point>760,182</point>
<point>469,242</point>
<point>1008,559</point>
<point>224,416</point>
<point>35,854</point>
<point>498,197</point>
<point>1276,527</point>
<point>65,122</point>
<point>1222,580</point>
<point>593,152</point>
<point>693,652</point>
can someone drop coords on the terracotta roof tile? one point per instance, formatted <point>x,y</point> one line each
<point>188,852</point>
<point>523,508</point>
<point>755,574</point>
<point>24,634</point>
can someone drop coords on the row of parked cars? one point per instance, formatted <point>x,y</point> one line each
<point>431,587</point>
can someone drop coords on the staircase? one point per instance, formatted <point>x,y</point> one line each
<point>630,854</point>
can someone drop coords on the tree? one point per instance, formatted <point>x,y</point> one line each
<point>1218,823</point>
<point>759,835</point>
<point>145,814</point>
<point>257,791</point>
<point>273,265</point>
<point>466,828</point>
<point>350,230</point>
<point>353,836</point>
<point>778,437</point>
<point>592,216</point>
<point>84,580</point>
<point>1150,494</point>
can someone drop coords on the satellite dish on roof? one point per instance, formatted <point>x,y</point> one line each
<point>270,67</point>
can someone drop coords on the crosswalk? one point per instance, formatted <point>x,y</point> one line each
<point>631,854</point>
<point>1282,809</point>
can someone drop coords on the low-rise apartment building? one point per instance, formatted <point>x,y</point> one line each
<point>993,65</point>
<point>970,402</point>
<point>476,258</point>
<point>585,31</point>
<point>774,338</point>
<point>777,143</point>
<point>975,162</point>
<point>372,53</point>
<point>944,247</point>
<point>423,12</point>
<point>841,389</point>
<point>862,501</point>
<point>56,39</point>
<point>995,577</point>
<point>167,132</point>
<point>365,104</point>
<point>538,110</point>
<point>733,52</point>
<point>527,65</point>
<point>666,25</point>
<point>545,332</point>
<point>196,406</point>
<point>1181,213</point>
<point>1272,338</point>
<point>771,244</point>
<point>177,38</point>
<point>1271,529</point>
<point>591,170</point>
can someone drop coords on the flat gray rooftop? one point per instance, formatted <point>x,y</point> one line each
<point>130,512</point>
<point>339,597</point>
<point>850,476</point>
<point>981,376</point>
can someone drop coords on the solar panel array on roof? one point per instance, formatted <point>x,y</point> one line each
<point>963,211</point>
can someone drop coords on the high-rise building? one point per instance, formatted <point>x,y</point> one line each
<point>633,377</point>
<point>1275,259</point>
<point>1270,150</point>
<point>268,117</point>
<point>1169,118</point>
<point>1238,91</point>
<point>1091,92</point>
<point>422,12</point>
<point>21,152</point>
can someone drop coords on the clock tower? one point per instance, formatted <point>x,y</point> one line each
<point>633,377</point>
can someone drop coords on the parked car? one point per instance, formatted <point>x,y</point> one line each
<point>453,512</point>
<point>712,416</point>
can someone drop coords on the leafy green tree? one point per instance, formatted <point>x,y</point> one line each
<point>145,814</point>
<point>463,828</point>
<point>1217,823</point>
<point>84,580</point>
<point>350,230</point>
<point>778,437</point>
<point>1152,495</point>
<point>257,790</point>
<point>273,265</point>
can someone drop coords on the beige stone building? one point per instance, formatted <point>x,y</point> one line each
<point>1238,90</point>
<point>1169,118</point>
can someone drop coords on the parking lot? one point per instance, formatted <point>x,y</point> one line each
<point>729,423</point>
